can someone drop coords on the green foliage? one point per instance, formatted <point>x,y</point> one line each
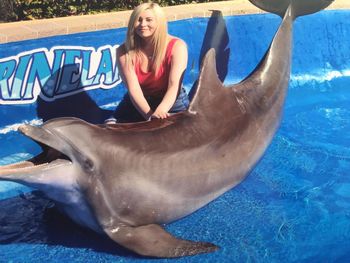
<point>35,9</point>
<point>6,11</point>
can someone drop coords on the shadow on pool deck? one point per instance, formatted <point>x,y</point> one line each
<point>31,218</point>
<point>80,105</point>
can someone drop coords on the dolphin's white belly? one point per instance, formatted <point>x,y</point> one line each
<point>81,214</point>
<point>69,200</point>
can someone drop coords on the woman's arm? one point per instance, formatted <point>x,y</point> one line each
<point>129,77</point>
<point>178,66</point>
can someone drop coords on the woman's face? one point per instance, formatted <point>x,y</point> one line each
<point>146,24</point>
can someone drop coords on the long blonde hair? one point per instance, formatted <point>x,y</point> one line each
<point>159,39</point>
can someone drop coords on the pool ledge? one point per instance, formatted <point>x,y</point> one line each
<point>19,31</point>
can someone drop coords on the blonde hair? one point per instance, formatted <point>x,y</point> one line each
<point>159,39</point>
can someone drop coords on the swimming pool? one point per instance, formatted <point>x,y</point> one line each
<point>294,206</point>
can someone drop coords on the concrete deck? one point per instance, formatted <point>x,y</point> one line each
<point>18,31</point>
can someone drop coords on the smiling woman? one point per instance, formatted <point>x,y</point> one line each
<point>152,64</point>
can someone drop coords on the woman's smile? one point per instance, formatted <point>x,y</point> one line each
<point>146,24</point>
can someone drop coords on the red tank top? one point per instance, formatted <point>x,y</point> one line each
<point>156,85</point>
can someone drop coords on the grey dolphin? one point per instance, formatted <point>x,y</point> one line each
<point>126,180</point>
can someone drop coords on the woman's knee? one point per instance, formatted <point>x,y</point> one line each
<point>182,102</point>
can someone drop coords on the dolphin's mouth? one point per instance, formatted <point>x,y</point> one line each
<point>49,157</point>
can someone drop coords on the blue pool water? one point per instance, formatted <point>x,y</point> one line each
<point>293,207</point>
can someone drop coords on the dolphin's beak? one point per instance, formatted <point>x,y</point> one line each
<point>49,158</point>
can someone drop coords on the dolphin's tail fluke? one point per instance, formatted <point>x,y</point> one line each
<point>300,7</point>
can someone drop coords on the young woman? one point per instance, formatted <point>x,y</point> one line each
<point>152,64</point>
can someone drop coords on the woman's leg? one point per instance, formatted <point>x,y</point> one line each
<point>126,111</point>
<point>182,102</point>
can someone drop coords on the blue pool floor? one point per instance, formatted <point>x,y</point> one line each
<point>293,207</point>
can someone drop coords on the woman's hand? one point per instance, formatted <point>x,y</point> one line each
<point>160,113</point>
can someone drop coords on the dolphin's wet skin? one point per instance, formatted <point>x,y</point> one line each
<point>293,206</point>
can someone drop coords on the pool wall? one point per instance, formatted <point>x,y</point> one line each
<point>76,74</point>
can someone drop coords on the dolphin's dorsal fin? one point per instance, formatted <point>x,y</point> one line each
<point>208,84</point>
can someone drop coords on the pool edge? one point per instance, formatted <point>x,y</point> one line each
<point>35,29</point>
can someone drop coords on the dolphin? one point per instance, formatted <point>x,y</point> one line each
<point>126,180</point>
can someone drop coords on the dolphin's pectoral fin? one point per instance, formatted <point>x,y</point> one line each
<point>153,241</point>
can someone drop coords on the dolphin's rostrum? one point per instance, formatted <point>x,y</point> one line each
<point>125,180</point>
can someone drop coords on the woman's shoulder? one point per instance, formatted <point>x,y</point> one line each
<point>121,50</point>
<point>176,41</point>
<point>122,57</point>
<point>176,45</point>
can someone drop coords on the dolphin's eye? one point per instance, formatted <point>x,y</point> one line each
<point>88,165</point>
